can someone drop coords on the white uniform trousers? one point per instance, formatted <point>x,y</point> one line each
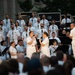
<point>30,50</point>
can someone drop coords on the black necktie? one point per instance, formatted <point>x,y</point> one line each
<point>6,22</point>
<point>12,35</point>
<point>52,27</point>
<point>42,30</point>
<point>26,34</point>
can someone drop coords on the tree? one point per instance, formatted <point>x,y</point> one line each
<point>62,6</point>
<point>25,5</point>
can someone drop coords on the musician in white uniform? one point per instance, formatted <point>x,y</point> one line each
<point>25,34</point>
<point>13,35</point>
<point>40,31</point>
<point>53,28</point>
<point>13,51</point>
<point>65,20</point>
<point>33,19</point>
<point>45,22</point>
<point>45,45</point>
<point>17,27</point>
<point>21,22</point>
<point>31,44</point>
<point>1,34</point>
<point>39,34</point>
<point>20,47</point>
<point>37,25</point>
<point>31,28</point>
<point>4,29</point>
<point>55,37</point>
<point>72,36</point>
<point>6,23</point>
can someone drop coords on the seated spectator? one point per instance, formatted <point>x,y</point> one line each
<point>35,55</point>
<point>53,62</point>
<point>13,67</point>
<point>20,59</point>
<point>55,37</point>
<point>4,68</point>
<point>53,72</point>
<point>34,67</point>
<point>61,69</point>
<point>71,58</point>
<point>46,64</point>
<point>68,66</point>
<point>24,71</point>
<point>60,57</point>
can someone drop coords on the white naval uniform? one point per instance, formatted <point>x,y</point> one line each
<point>13,35</point>
<point>30,48</point>
<point>21,23</point>
<point>45,49</point>
<point>2,48</point>
<point>45,22</point>
<point>3,57</point>
<point>7,24</point>
<point>20,48</point>
<point>19,29</point>
<point>37,26</point>
<point>4,32</point>
<point>65,20</point>
<point>1,36</point>
<point>33,20</point>
<point>40,32</point>
<point>13,50</point>
<point>56,38</point>
<point>24,36</point>
<point>72,34</point>
<point>32,29</point>
<point>53,28</point>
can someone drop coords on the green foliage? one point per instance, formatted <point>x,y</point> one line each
<point>51,6</point>
<point>25,5</point>
<point>64,6</point>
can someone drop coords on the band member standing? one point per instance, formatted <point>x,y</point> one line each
<point>72,36</point>
<point>45,45</point>
<point>25,34</point>
<point>31,44</point>
<point>33,19</point>
<point>13,35</point>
